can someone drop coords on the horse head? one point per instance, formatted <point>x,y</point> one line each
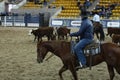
<point>41,51</point>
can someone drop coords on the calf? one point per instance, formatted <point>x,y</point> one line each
<point>63,31</point>
<point>44,31</point>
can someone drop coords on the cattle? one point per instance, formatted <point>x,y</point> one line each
<point>112,30</point>
<point>63,31</point>
<point>43,31</point>
<point>35,33</point>
<point>116,38</point>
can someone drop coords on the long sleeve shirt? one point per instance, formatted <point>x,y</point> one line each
<point>86,29</point>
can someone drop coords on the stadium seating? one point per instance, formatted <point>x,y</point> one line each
<point>70,8</point>
<point>32,5</point>
<point>115,11</point>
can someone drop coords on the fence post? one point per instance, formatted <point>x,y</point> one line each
<point>41,19</point>
<point>4,21</point>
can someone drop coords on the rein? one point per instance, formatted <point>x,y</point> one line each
<point>50,56</point>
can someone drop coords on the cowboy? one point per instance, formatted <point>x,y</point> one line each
<point>86,37</point>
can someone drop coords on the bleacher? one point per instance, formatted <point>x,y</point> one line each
<point>32,5</point>
<point>69,8</point>
<point>115,11</point>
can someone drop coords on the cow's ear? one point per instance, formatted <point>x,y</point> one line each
<point>39,42</point>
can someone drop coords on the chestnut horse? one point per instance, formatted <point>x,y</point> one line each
<point>110,53</point>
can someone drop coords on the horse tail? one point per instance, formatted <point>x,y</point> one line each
<point>102,34</point>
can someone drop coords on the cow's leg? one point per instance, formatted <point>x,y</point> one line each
<point>35,38</point>
<point>66,37</point>
<point>111,71</point>
<point>38,38</point>
<point>63,37</point>
<point>58,37</point>
<point>110,34</point>
<point>64,68</point>
<point>48,37</point>
<point>97,35</point>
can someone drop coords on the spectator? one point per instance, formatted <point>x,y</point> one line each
<point>87,3</point>
<point>45,3</point>
<point>108,13</point>
<point>36,1</point>
<point>112,6</point>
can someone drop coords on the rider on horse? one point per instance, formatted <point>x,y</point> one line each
<point>96,17</point>
<point>86,37</point>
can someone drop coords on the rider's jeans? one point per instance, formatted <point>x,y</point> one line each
<point>79,50</point>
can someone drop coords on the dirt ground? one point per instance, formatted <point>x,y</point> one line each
<point>18,60</point>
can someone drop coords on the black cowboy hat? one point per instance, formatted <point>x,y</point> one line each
<point>84,13</point>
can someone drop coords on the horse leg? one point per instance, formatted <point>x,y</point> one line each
<point>64,68</point>
<point>111,71</point>
<point>71,67</point>
<point>97,35</point>
<point>118,69</point>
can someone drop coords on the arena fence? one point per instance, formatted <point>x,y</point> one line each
<point>41,20</point>
<point>71,22</point>
<point>26,20</point>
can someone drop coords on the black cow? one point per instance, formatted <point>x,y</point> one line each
<point>43,31</point>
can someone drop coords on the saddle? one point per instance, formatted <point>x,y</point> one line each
<point>93,48</point>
